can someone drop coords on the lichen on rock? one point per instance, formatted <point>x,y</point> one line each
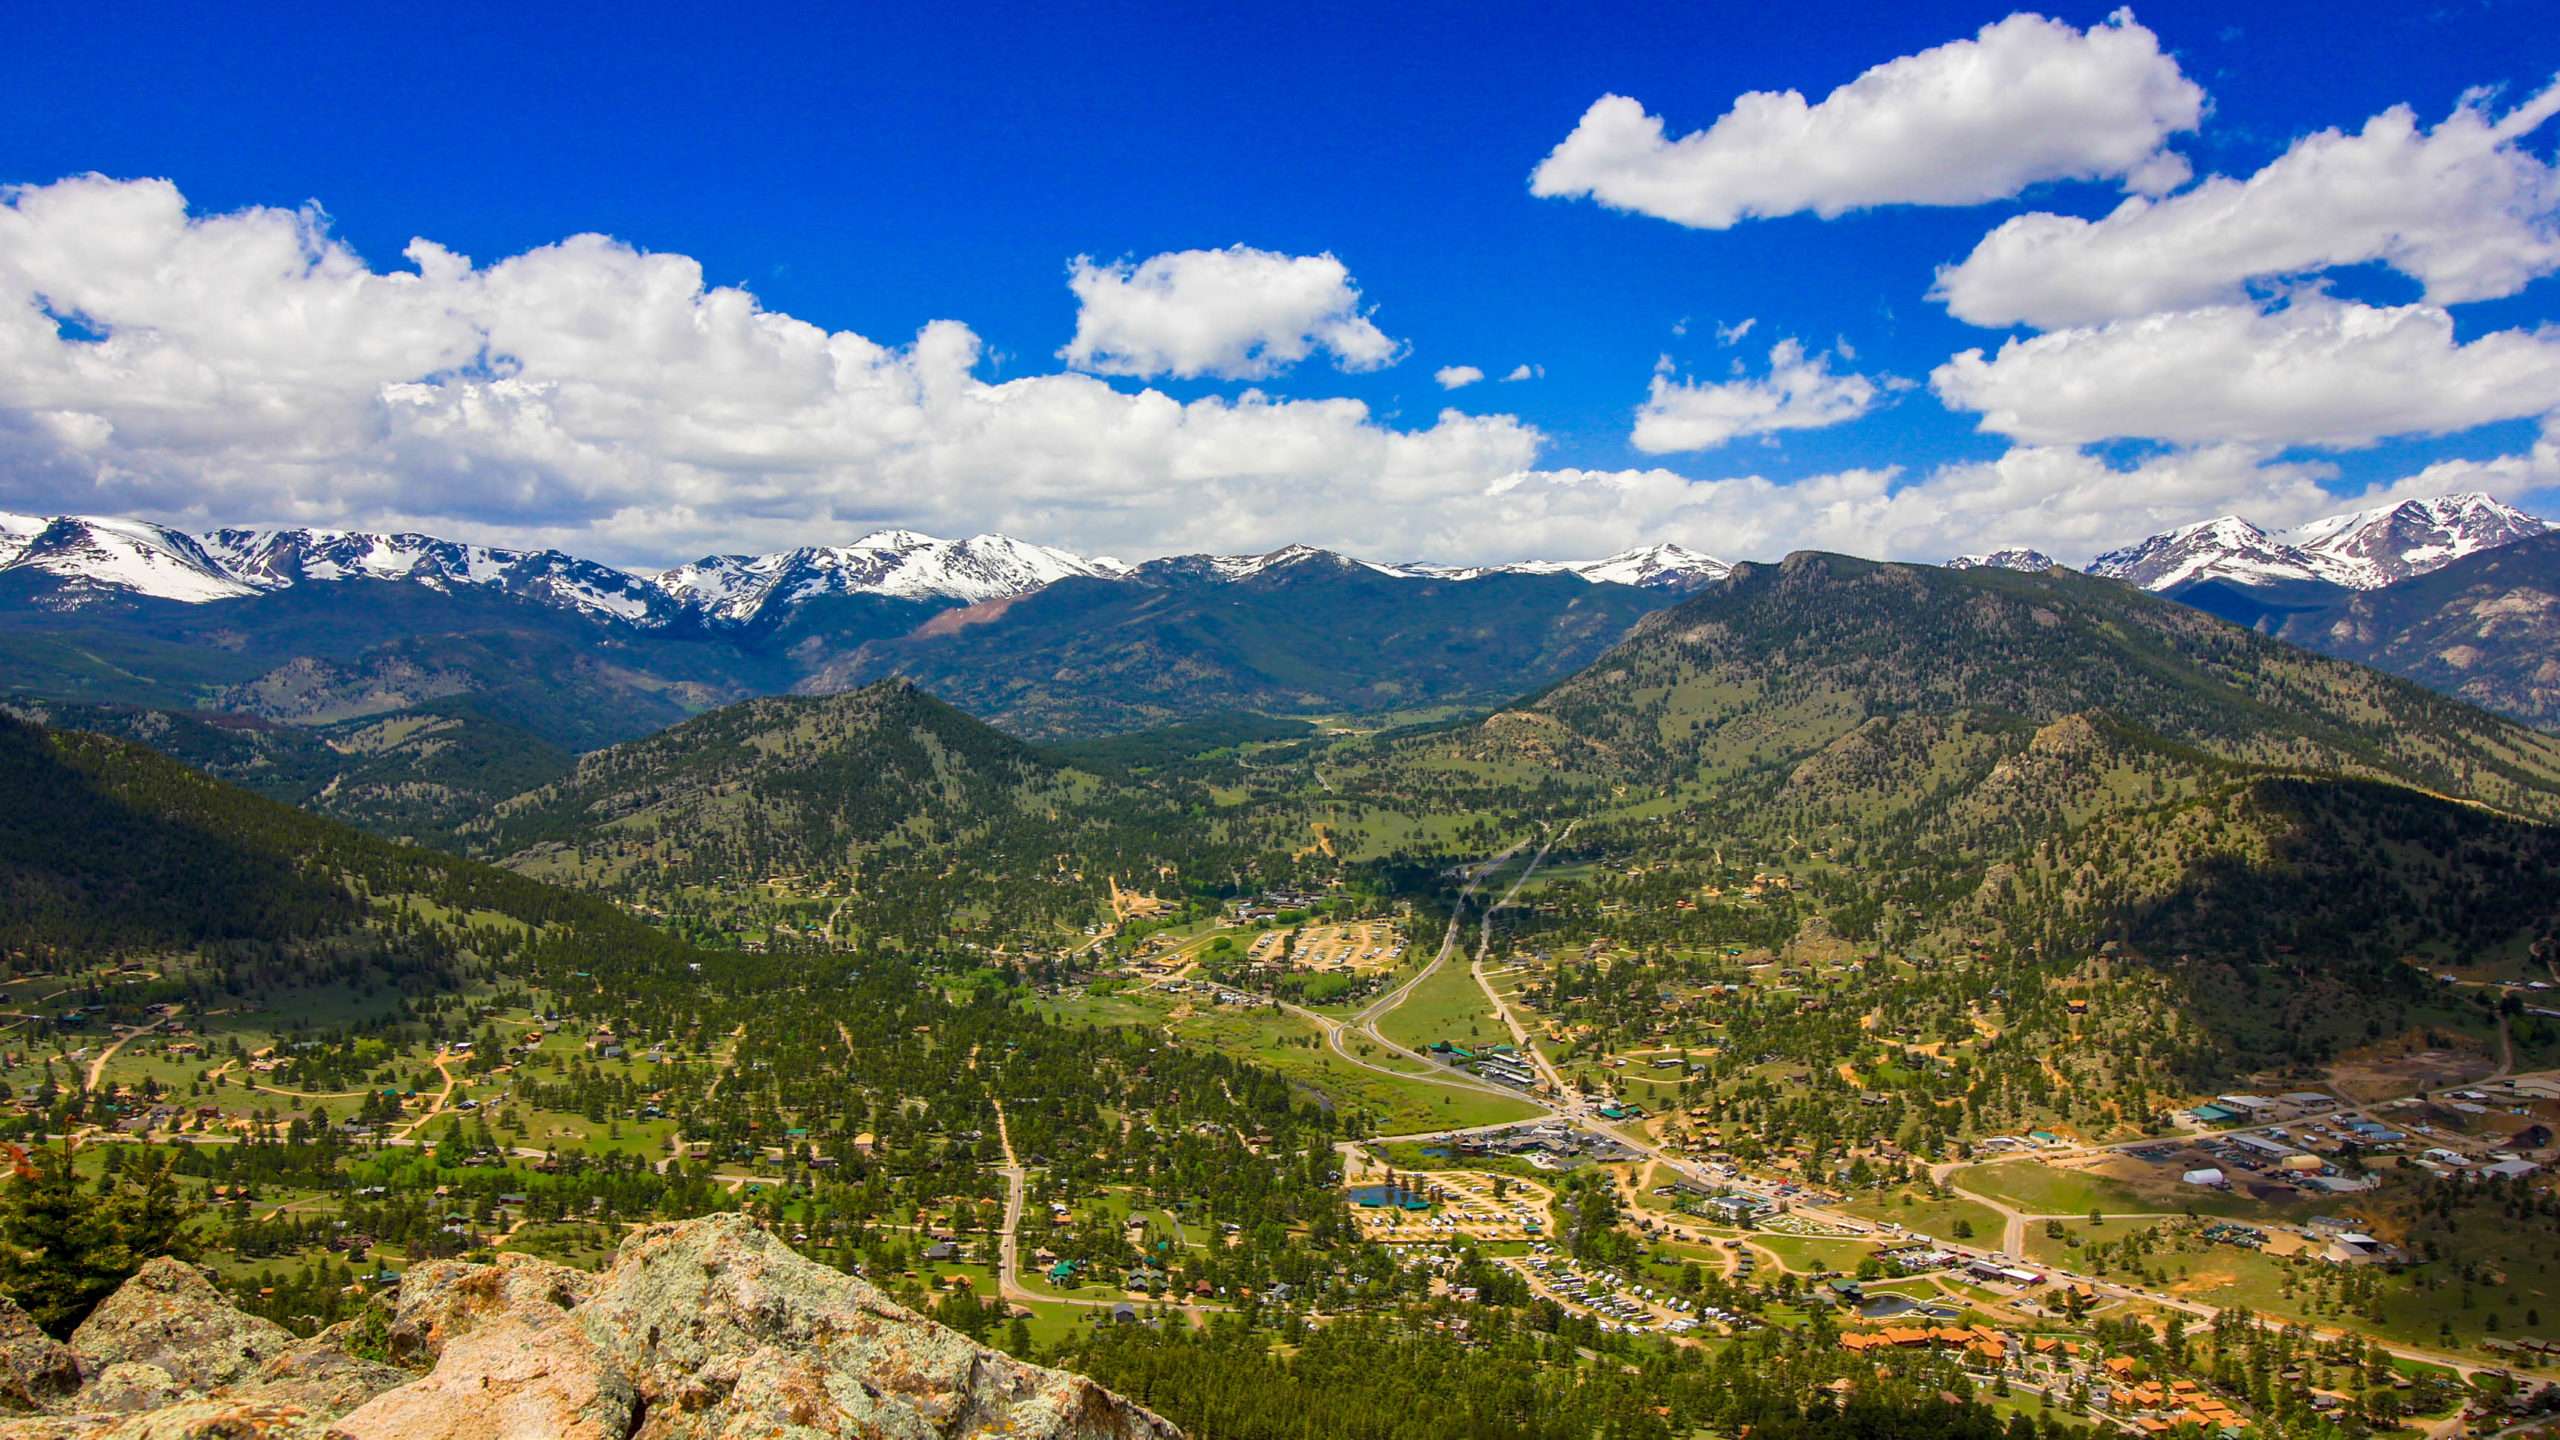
<point>708,1329</point>
<point>170,1315</point>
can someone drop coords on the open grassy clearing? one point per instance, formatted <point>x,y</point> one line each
<point>1917,1211</point>
<point>2039,1189</point>
<point>1448,1006</point>
<point>2430,1305</point>
<point>1809,1253</point>
<point>1295,1048</point>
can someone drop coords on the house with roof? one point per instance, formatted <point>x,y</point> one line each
<point>2357,1248</point>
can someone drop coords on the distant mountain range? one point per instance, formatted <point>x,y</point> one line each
<point>2018,558</point>
<point>326,628</point>
<point>738,589</point>
<point>79,559</point>
<point>1665,566</point>
<point>67,561</point>
<point>2358,550</point>
<point>321,629</point>
<point>1301,632</point>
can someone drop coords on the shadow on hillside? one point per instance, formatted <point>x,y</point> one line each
<point>2319,911</point>
<point>84,868</point>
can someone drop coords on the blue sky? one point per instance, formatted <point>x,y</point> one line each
<point>874,173</point>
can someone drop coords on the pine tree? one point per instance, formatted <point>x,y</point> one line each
<point>148,1212</point>
<point>60,1252</point>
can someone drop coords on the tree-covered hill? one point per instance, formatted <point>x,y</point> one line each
<point>410,775</point>
<point>2045,765</point>
<point>1764,671</point>
<point>1089,657</point>
<point>809,774</point>
<point>110,849</point>
<point>880,811</point>
<point>315,655</point>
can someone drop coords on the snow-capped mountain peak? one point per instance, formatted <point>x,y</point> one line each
<point>2223,548</point>
<point>718,585</point>
<point>1668,565</point>
<point>1245,567</point>
<point>2369,548</point>
<point>15,532</point>
<point>93,555</point>
<point>2361,550</point>
<point>735,589</point>
<point>986,567</point>
<point>895,542</point>
<point>2008,557</point>
<point>280,559</point>
<point>1654,567</point>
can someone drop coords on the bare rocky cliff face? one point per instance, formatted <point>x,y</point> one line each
<point>709,1329</point>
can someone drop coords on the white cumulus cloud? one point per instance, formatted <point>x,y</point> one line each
<point>250,367</point>
<point>1237,313</point>
<point>2317,371</point>
<point>2509,477</point>
<point>1800,392</point>
<point>1456,377</point>
<point>2060,499</point>
<point>2025,100</point>
<point>2465,209</point>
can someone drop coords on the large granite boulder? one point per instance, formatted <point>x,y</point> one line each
<point>444,1300</point>
<point>531,1375</point>
<point>728,1332</point>
<point>709,1329</point>
<point>170,1315</point>
<point>220,1418</point>
<point>323,1375</point>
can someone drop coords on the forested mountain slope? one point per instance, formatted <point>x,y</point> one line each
<point>1317,632</point>
<point>2043,765</point>
<point>885,810</point>
<point>318,655</point>
<point>1765,670</point>
<point>409,775</point>
<point>2485,628</point>
<point>110,849</point>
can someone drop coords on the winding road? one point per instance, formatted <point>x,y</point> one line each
<point>1569,1106</point>
<point>1364,1025</point>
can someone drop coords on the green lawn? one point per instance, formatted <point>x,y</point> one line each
<point>2413,1307</point>
<point>1915,1209</point>
<point>1449,1006</point>
<point>2040,1189</point>
<point>1294,1048</point>
<point>1805,1252</point>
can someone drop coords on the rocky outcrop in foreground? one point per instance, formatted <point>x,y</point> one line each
<point>709,1329</point>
